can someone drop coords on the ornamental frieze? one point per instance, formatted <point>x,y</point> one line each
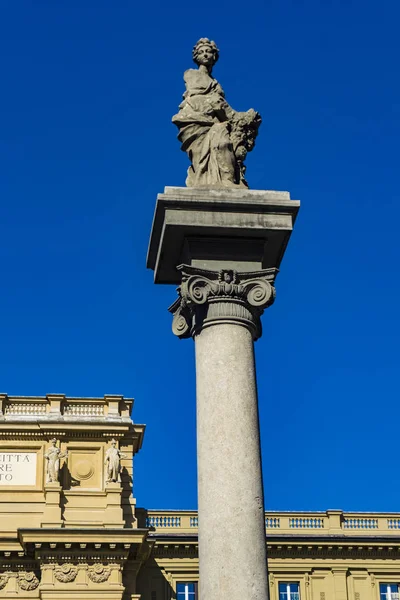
<point>28,581</point>
<point>65,573</point>
<point>3,580</point>
<point>99,573</point>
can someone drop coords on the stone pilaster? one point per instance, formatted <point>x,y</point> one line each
<point>52,509</point>
<point>113,516</point>
<point>340,583</point>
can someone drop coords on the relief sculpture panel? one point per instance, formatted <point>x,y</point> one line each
<point>84,468</point>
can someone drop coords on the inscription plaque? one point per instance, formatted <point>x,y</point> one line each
<point>18,468</point>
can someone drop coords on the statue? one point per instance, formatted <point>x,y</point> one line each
<point>215,137</point>
<point>53,456</point>
<point>113,462</point>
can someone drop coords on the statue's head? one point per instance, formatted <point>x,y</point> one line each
<point>244,132</point>
<point>53,441</point>
<point>227,276</point>
<point>113,443</point>
<point>206,53</point>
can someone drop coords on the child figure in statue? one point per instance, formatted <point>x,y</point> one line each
<point>215,137</point>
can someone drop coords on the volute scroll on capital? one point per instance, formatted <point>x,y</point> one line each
<point>213,297</point>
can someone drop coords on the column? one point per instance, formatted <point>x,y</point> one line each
<point>222,311</point>
<point>223,248</point>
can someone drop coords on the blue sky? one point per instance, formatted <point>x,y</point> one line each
<point>86,143</point>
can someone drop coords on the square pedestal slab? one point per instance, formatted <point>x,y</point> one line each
<point>224,228</point>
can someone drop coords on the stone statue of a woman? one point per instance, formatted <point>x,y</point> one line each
<point>53,456</point>
<point>215,137</point>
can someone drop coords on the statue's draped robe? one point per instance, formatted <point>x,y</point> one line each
<point>204,131</point>
<point>53,464</point>
<point>113,466</point>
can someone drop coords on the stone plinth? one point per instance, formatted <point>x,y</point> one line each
<point>224,248</point>
<point>113,516</point>
<point>214,229</point>
<point>52,509</point>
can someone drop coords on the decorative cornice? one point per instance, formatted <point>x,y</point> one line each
<point>286,547</point>
<point>213,297</point>
<point>175,551</point>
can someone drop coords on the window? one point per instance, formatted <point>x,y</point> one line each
<point>186,590</point>
<point>389,591</point>
<point>290,591</point>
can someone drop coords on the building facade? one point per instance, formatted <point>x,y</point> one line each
<point>331,555</point>
<point>70,528</point>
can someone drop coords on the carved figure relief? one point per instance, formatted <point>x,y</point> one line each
<point>65,573</point>
<point>99,573</point>
<point>113,462</point>
<point>53,456</point>
<point>215,137</point>
<point>27,581</point>
<point>3,580</point>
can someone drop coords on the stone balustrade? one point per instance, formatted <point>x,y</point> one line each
<point>58,405</point>
<point>330,522</point>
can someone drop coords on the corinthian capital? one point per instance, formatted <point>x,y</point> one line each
<point>213,297</point>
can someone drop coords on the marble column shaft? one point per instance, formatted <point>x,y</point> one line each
<point>222,312</point>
